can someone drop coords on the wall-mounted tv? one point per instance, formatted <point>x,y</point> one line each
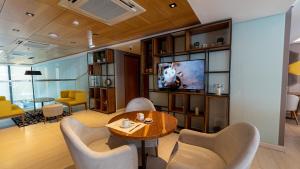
<point>181,75</point>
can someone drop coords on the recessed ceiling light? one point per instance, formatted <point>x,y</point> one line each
<point>297,40</point>
<point>16,30</point>
<point>53,35</point>
<point>75,23</point>
<point>172,5</point>
<point>29,14</point>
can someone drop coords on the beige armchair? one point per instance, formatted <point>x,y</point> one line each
<point>143,104</point>
<point>232,148</point>
<point>79,136</point>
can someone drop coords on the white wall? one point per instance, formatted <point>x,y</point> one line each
<point>256,74</point>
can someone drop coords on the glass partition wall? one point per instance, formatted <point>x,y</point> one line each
<point>68,74</point>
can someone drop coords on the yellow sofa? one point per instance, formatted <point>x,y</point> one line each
<point>72,98</point>
<point>8,110</point>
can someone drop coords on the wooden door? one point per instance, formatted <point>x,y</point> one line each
<point>132,77</point>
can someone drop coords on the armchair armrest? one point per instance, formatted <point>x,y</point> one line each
<point>197,139</point>
<point>5,107</point>
<point>118,158</point>
<point>94,133</point>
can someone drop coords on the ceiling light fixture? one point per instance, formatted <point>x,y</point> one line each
<point>75,23</point>
<point>29,14</point>
<point>53,35</point>
<point>297,40</point>
<point>172,5</point>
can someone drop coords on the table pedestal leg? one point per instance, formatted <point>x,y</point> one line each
<point>144,157</point>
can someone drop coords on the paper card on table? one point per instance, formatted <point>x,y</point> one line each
<point>117,125</point>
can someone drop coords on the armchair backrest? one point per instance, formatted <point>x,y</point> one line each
<point>74,135</point>
<point>140,104</point>
<point>292,102</point>
<point>237,145</point>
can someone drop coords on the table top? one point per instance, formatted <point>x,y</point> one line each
<point>44,99</point>
<point>163,124</point>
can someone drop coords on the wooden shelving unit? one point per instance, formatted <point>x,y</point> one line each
<point>211,43</point>
<point>101,70</point>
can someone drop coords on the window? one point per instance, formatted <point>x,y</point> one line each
<point>4,82</point>
<point>21,87</point>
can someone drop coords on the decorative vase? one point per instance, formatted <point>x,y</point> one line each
<point>219,89</point>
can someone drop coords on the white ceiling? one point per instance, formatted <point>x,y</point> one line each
<point>238,10</point>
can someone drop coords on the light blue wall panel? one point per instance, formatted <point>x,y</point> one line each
<point>257,59</point>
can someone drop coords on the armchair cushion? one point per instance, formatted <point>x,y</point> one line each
<point>9,110</point>
<point>192,157</point>
<point>63,100</point>
<point>5,107</point>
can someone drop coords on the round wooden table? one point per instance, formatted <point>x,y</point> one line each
<point>163,124</point>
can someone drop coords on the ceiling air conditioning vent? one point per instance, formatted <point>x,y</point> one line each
<point>37,45</point>
<point>34,44</point>
<point>109,12</point>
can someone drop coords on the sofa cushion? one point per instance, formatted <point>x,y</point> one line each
<point>194,157</point>
<point>2,98</point>
<point>75,102</point>
<point>72,94</point>
<point>17,111</point>
<point>64,94</point>
<point>64,100</point>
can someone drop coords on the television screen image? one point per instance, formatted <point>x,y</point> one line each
<point>181,75</point>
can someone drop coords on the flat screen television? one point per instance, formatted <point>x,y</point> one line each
<point>181,75</point>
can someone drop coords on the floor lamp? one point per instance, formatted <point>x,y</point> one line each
<point>33,73</point>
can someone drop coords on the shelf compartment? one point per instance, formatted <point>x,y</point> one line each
<point>219,61</point>
<point>91,92</point>
<point>163,45</point>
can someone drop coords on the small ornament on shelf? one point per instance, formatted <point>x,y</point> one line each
<point>220,41</point>
<point>196,45</point>
<point>219,89</point>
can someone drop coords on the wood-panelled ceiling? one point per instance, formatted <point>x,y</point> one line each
<point>51,18</point>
